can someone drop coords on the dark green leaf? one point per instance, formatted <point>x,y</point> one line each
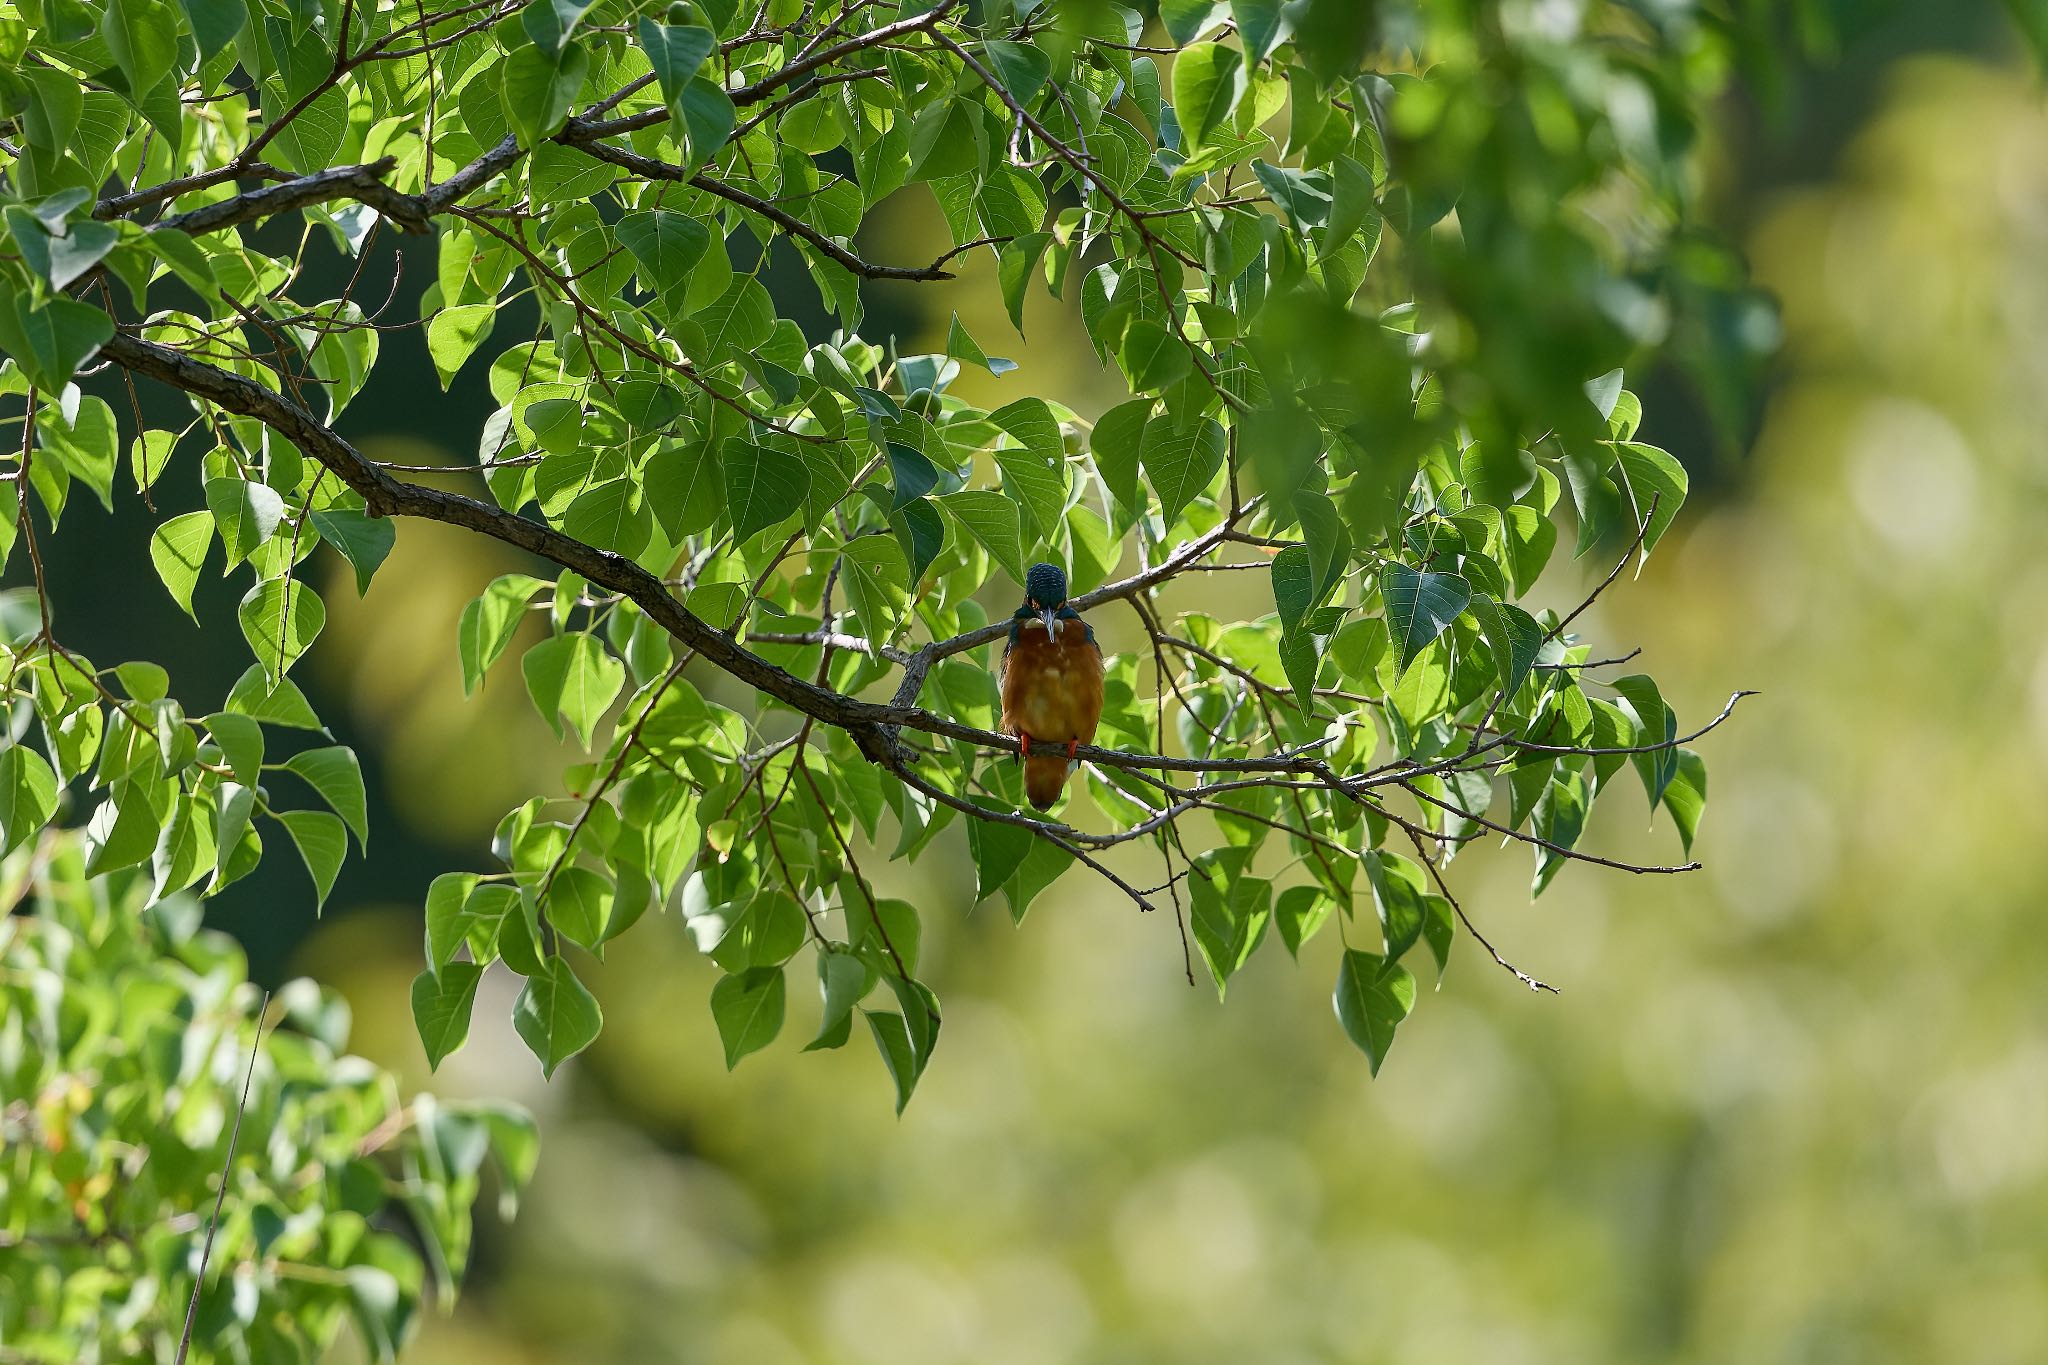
<point>338,777</point>
<point>363,540</point>
<point>555,1015</point>
<point>1208,81</point>
<point>1514,636</point>
<point>1372,997</point>
<point>178,550</point>
<point>1181,463</point>
<point>1420,606</point>
<point>322,841</point>
<point>441,1006</point>
<point>762,486</point>
<point>748,1009</point>
<point>280,619</point>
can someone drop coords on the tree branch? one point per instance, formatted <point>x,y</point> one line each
<point>364,183</point>
<point>872,725</point>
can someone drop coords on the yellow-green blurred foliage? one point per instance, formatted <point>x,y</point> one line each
<point>1794,1108</point>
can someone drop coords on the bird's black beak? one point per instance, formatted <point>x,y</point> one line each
<point>1052,625</point>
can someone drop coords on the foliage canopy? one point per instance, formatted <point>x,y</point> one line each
<point>1370,273</point>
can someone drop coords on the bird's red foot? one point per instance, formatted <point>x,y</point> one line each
<point>1073,749</point>
<point>1023,746</point>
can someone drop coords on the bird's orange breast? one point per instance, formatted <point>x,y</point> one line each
<point>1052,689</point>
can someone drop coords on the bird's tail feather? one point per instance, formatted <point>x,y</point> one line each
<point>1045,777</point>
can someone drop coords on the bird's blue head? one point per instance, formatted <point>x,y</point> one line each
<point>1045,593</point>
<point>1045,585</point>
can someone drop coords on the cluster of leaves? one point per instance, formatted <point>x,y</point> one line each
<point>1368,271</point>
<point>133,1055</point>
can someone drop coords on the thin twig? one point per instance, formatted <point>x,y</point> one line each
<point>220,1198</point>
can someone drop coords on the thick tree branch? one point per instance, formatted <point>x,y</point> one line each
<point>364,183</point>
<point>871,725</point>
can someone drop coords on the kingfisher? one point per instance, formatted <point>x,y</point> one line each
<point>1051,683</point>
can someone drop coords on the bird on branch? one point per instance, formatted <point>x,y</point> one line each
<point>1051,683</point>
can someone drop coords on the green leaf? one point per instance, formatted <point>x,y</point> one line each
<point>1035,470</point>
<point>666,245</point>
<point>540,88</point>
<point>748,1009</point>
<point>441,1006</point>
<point>1439,930</point>
<point>878,582</point>
<point>363,540</point>
<point>1152,357</point>
<point>61,259</point>
<point>241,743</point>
<point>237,808</point>
<point>1686,796</point>
<point>888,929</point>
<point>1398,890</point>
<point>142,35</point>
<point>921,532</point>
<point>1372,997</point>
<point>1293,586</point>
<point>338,777</point>
<point>281,704</point>
<point>322,842</point>
<point>962,346</point>
<point>555,1015</point>
<point>455,333</point>
<point>50,341</point>
<point>55,104</point>
<point>572,678</point>
<point>1298,913</point>
<point>1497,473</point>
<point>684,485</point>
<point>28,796</point>
<point>1015,261</point>
<point>764,930</point>
<point>612,516</point>
<point>1116,444</point>
<point>906,1040</point>
<point>1181,463</point>
<point>1560,818</point>
<point>1327,541</point>
<point>993,520</point>
<point>1186,20</point>
<point>1208,81</point>
<point>178,550</point>
<point>1420,606</point>
<point>911,474</point>
<point>1021,68</point>
<point>579,905</point>
<point>215,24</point>
<point>447,926</point>
<point>1228,921</point>
<point>461,909</point>
<point>763,486</point>
<point>247,514</point>
<point>89,447</point>
<point>550,23</point>
<point>1656,484</point>
<point>1656,723</point>
<point>842,980</point>
<point>280,619</point>
<point>675,53</point>
<point>998,849</point>
<point>708,118</point>
<point>1261,25</point>
<point>489,623</point>
<point>1514,636</point>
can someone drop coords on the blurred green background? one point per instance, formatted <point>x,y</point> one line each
<point>1792,1108</point>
